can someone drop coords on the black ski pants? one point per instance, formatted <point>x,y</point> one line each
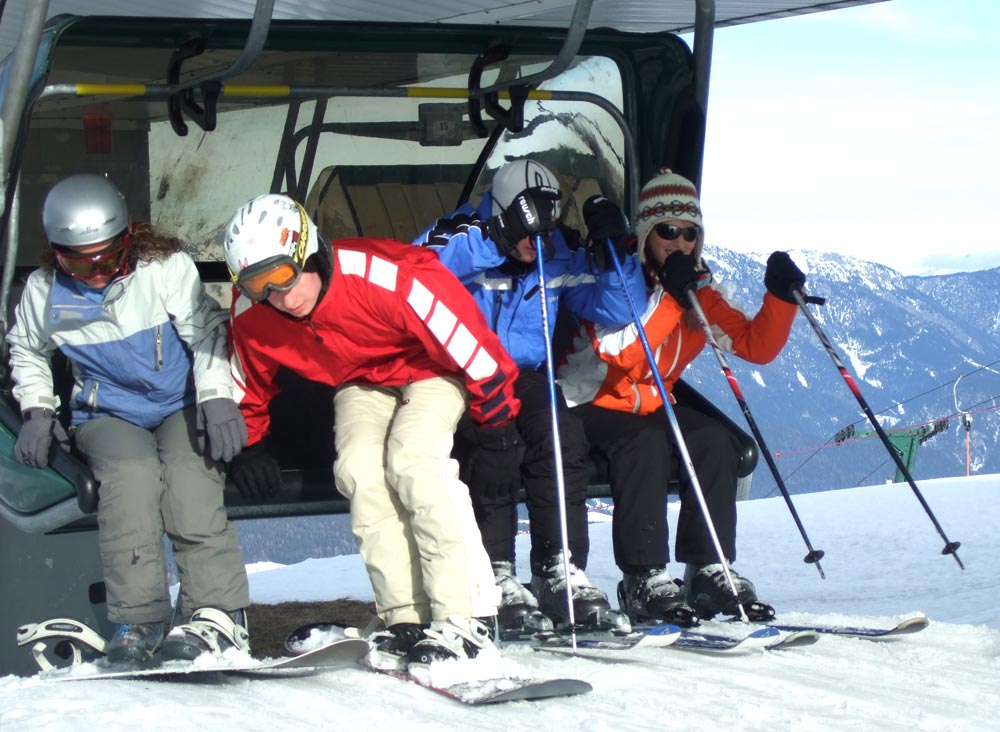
<point>496,509</point>
<point>642,461</point>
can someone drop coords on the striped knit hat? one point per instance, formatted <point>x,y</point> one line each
<point>667,197</point>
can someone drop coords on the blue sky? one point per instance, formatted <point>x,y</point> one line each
<point>871,131</point>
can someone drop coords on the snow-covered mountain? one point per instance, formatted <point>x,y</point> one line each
<point>906,340</point>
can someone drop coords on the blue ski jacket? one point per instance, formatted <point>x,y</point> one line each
<point>148,344</point>
<point>508,292</point>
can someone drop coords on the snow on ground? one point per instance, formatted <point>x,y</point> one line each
<point>882,562</point>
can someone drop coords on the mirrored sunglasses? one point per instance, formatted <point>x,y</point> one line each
<point>87,266</point>
<point>671,232</point>
<point>274,274</point>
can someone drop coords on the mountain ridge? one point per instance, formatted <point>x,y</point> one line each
<point>906,340</point>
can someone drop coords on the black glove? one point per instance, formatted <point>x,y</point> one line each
<point>782,277</point>
<point>533,211</point>
<point>35,437</point>
<point>445,228</point>
<point>679,277</point>
<point>256,472</point>
<point>222,420</point>
<point>495,465</point>
<point>605,221</point>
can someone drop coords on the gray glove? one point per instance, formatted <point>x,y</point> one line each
<point>35,437</point>
<point>223,421</point>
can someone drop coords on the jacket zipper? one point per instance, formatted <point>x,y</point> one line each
<point>159,347</point>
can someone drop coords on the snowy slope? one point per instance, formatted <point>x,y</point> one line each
<point>882,561</point>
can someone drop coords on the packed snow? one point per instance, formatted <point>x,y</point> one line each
<point>883,562</point>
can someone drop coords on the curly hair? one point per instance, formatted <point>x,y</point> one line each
<point>147,246</point>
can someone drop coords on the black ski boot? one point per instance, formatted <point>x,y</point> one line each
<point>590,605</point>
<point>652,596</point>
<point>708,592</point>
<point>518,613</point>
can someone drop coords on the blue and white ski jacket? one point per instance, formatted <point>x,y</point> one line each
<point>148,344</point>
<point>508,296</point>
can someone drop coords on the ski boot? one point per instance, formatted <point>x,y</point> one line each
<point>518,614</point>
<point>209,630</point>
<point>75,642</point>
<point>591,609</point>
<point>454,638</point>
<point>135,643</point>
<point>708,592</point>
<point>652,596</point>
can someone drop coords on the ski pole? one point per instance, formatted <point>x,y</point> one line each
<point>556,441</point>
<point>814,555</point>
<point>950,547</point>
<point>675,429</point>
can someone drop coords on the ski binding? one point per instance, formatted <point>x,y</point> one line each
<point>74,641</point>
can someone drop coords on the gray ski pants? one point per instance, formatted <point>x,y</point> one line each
<point>155,481</point>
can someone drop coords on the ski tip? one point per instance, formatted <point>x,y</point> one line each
<point>912,625</point>
<point>665,629</point>
<point>794,639</point>
<point>767,632</point>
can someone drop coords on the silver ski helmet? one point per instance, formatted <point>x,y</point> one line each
<point>517,175</point>
<point>84,209</point>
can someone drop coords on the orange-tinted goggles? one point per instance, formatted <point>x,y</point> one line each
<point>87,266</point>
<point>274,274</point>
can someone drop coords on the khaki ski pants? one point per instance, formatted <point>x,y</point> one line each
<point>410,514</point>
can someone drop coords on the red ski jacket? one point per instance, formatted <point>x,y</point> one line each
<point>391,315</point>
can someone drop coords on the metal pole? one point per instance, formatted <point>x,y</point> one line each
<point>556,441</point>
<point>814,555</point>
<point>950,547</point>
<point>22,64</point>
<point>675,428</point>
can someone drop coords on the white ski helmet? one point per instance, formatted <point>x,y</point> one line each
<point>514,177</point>
<point>84,209</point>
<point>268,226</point>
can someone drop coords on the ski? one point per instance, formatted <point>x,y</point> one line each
<point>669,636</point>
<point>767,638</point>
<point>652,637</point>
<point>340,653</point>
<point>907,626</point>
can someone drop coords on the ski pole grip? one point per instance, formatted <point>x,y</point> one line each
<point>811,299</point>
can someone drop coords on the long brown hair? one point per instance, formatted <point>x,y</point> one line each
<point>147,246</point>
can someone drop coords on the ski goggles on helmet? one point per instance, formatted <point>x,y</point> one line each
<point>259,280</point>
<point>107,262</point>
<point>671,232</point>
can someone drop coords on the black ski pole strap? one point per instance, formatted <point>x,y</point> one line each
<point>811,299</point>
